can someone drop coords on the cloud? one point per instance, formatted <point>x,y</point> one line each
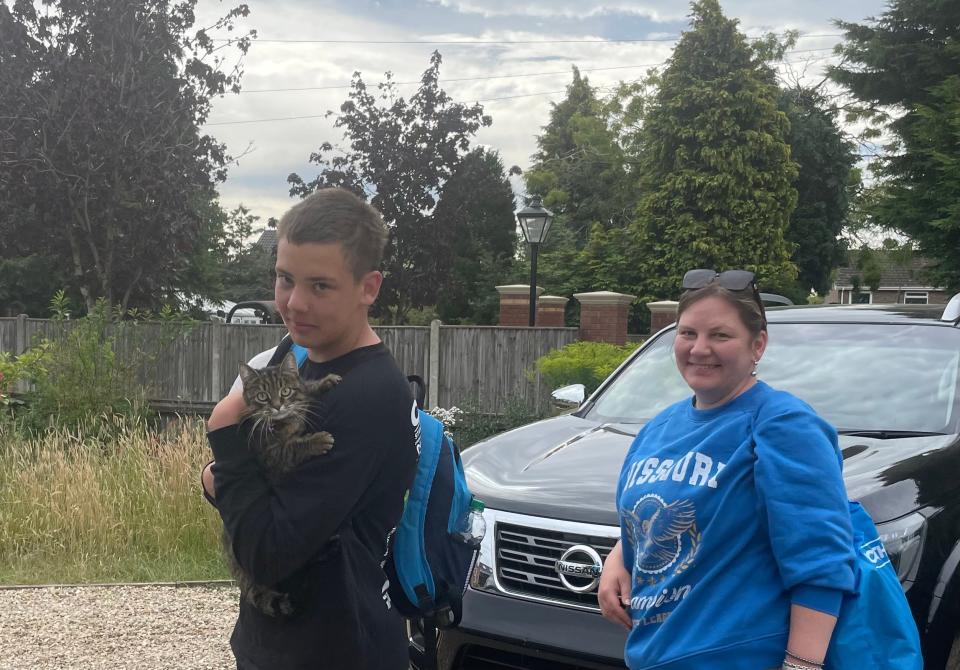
<point>765,14</point>
<point>515,82</point>
<point>572,9</point>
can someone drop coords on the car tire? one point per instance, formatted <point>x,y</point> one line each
<point>953,661</point>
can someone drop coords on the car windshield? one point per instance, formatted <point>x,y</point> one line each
<point>859,376</point>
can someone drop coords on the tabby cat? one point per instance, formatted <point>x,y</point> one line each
<point>278,401</point>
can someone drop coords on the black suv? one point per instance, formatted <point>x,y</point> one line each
<point>888,377</point>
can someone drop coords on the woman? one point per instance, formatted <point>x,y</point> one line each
<point>736,547</point>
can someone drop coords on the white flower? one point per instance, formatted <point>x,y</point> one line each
<point>448,417</point>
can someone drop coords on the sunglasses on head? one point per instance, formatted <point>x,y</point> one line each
<point>734,280</point>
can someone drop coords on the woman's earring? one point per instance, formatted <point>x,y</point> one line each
<point>755,363</point>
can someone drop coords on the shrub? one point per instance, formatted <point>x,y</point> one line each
<point>470,425</point>
<point>587,363</point>
<point>80,378</point>
<point>25,367</point>
<point>88,375</point>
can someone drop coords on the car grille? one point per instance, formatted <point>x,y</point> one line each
<point>527,558</point>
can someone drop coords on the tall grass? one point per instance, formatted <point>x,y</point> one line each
<point>123,507</point>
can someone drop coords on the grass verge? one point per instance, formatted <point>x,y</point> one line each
<point>78,510</point>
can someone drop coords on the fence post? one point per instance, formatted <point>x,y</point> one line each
<point>21,335</point>
<point>20,346</point>
<point>433,385</point>
<point>216,349</point>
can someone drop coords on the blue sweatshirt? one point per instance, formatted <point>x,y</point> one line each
<point>728,516</point>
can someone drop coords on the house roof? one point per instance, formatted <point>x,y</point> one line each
<point>894,272</point>
<point>267,240</point>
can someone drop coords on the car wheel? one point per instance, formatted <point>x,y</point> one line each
<point>953,661</point>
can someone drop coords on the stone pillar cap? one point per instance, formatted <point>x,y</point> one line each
<point>553,300</point>
<point>663,306</point>
<point>604,298</point>
<point>517,289</point>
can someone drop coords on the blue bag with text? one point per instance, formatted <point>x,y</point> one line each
<point>875,628</point>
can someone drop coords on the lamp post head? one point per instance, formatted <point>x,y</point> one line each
<point>535,221</point>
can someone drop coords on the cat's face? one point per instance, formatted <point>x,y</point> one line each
<point>274,392</point>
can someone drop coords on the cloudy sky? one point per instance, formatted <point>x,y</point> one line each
<point>513,56</point>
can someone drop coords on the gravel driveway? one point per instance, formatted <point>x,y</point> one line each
<point>117,627</point>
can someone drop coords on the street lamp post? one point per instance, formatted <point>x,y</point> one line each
<point>535,223</point>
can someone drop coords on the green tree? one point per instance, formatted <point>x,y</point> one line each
<point>476,207</point>
<point>579,167</point>
<point>401,152</point>
<point>581,172</point>
<point>103,167</point>
<point>903,68</point>
<point>229,266</point>
<point>825,159</point>
<point>869,264</point>
<point>27,283</point>
<point>716,175</point>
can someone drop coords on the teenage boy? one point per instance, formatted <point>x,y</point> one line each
<point>321,533</point>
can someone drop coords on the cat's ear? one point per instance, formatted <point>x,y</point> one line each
<point>246,372</point>
<point>289,364</point>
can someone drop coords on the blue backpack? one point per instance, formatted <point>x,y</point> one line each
<point>429,568</point>
<point>875,628</point>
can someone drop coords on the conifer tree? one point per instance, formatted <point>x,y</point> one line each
<point>580,172</point>
<point>904,68</point>
<point>825,159</point>
<point>716,174</point>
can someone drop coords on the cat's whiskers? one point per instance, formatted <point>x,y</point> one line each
<point>262,423</point>
<point>311,412</point>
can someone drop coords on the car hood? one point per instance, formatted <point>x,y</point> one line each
<point>894,477</point>
<point>563,468</point>
<point>567,468</point>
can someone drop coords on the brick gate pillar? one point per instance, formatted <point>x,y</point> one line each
<point>662,314</point>
<point>603,316</point>
<point>550,311</point>
<point>515,304</point>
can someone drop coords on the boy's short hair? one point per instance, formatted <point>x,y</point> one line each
<point>337,215</point>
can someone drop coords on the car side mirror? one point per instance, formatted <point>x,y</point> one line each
<point>569,397</point>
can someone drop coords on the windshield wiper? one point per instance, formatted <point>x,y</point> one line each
<point>888,434</point>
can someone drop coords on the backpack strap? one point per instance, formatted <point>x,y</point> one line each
<point>421,392</point>
<point>300,353</point>
<point>287,345</point>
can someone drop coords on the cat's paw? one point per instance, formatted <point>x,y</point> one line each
<point>319,443</point>
<point>325,384</point>
<point>272,603</point>
<point>284,605</point>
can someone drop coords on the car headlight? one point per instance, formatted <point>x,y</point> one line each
<point>903,540</point>
<point>482,576</point>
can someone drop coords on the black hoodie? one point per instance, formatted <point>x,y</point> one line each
<point>322,532</point>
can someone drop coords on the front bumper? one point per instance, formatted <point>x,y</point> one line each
<point>515,622</point>
<point>505,633</point>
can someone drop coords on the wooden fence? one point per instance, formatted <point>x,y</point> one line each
<point>191,368</point>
